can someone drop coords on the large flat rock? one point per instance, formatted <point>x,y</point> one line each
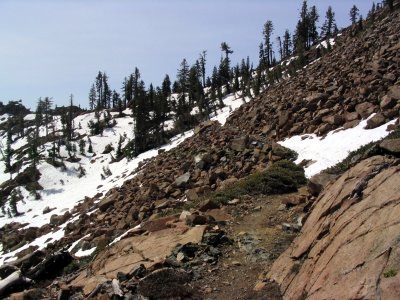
<point>129,253</point>
<point>349,246</point>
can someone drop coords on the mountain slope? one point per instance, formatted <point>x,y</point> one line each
<point>344,88</point>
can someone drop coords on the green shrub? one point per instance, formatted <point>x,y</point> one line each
<point>390,273</point>
<point>354,157</point>
<point>283,177</point>
<point>361,153</point>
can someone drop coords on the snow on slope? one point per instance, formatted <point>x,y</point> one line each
<point>328,151</point>
<point>63,189</point>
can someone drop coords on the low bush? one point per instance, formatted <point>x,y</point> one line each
<point>283,177</point>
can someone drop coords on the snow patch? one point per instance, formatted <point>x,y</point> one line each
<point>334,147</point>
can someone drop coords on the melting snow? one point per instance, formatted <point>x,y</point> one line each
<point>328,151</point>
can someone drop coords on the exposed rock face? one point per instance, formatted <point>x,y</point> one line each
<point>349,246</point>
<point>129,253</point>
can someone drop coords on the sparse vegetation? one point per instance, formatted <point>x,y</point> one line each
<point>283,177</point>
<point>361,153</point>
<point>390,273</point>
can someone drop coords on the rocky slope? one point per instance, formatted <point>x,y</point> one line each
<point>348,245</point>
<point>360,76</point>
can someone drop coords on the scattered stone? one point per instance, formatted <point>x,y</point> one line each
<point>394,92</point>
<point>106,203</point>
<point>365,109</point>
<point>207,205</point>
<point>387,102</point>
<point>240,144</point>
<point>376,121</point>
<point>191,195</point>
<point>182,180</point>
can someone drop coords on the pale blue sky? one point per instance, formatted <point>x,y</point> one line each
<point>56,47</point>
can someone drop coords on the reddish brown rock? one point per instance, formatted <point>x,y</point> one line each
<point>376,121</point>
<point>365,109</point>
<point>394,92</point>
<point>348,247</point>
<point>392,145</point>
<point>387,102</point>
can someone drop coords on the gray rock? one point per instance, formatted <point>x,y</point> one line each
<point>182,180</point>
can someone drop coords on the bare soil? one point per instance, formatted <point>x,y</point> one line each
<point>258,239</point>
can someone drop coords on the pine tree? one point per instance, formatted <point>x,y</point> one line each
<point>301,36</point>
<point>262,64</point>
<point>69,119</point>
<point>99,90</point>
<point>202,61</point>
<point>21,125</point>
<point>82,145</point>
<point>15,196</point>
<point>46,107</point>
<point>7,152</point>
<point>329,27</point>
<point>39,114</point>
<point>119,152</point>
<point>267,32</point>
<point>389,3</point>
<point>127,92</point>
<point>312,18</point>
<point>116,99</point>
<point>280,49</point>
<point>371,12</point>
<point>224,67</point>
<point>92,97</point>
<point>90,148</point>
<point>141,117</point>
<point>33,142</point>
<point>287,44</point>
<point>354,12</point>
<point>106,101</point>
<point>183,107</point>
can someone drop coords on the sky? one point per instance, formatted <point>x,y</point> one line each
<point>56,48</point>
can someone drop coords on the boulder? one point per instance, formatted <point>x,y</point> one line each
<point>316,97</point>
<point>391,145</point>
<point>191,195</point>
<point>207,205</point>
<point>365,109</point>
<point>182,180</point>
<point>376,121</point>
<point>106,203</point>
<point>387,102</point>
<point>394,92</point>
<point>166,283</point>
<point>196,219</point>
<point>203,161</point>
<point>351,116</point>
<point>333,120</point>
<point>240,144</point>
<point>318,182</point>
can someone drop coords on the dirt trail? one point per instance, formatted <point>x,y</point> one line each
<point>258,239</point>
